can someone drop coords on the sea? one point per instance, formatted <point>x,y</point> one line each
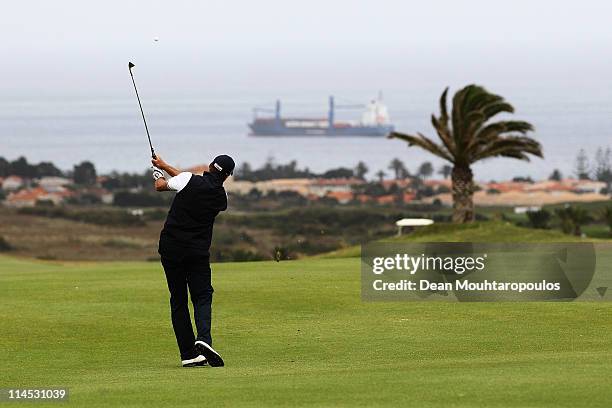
<point>191,129</point>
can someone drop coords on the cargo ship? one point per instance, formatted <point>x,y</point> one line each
<point>375,122</point>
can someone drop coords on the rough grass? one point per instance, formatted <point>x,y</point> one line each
<point>293,334</point>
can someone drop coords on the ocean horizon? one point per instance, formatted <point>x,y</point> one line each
<point>190,130</point>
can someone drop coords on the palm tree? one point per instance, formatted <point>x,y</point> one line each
<point>425,170</point>
<point>398,168</point>
<point>361,170</point>
<point>467,136</point>
<point>445,171</point>
<point>381,175</point>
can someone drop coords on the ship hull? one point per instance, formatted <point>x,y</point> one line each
<point>276,130</point>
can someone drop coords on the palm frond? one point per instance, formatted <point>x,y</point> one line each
<point>496,108</point>
<point>494,130</point>
<point>441,124</point>
<point>510,146</point>
<point>468,135</point>
<point>424,143</point>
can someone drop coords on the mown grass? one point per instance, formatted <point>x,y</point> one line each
<point>293,334</point>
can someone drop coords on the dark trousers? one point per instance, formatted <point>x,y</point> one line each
<point>191,272</point>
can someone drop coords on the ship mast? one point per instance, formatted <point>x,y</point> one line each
<point>330,114</point>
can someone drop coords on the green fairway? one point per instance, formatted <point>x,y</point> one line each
<point>293,333</point>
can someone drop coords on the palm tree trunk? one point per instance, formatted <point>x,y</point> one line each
<point>463,191</point>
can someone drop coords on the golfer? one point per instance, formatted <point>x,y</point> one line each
<point>184,248</point>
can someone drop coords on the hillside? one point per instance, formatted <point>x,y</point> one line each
<point>491,231</point>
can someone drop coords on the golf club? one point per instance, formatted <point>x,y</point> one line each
<point>130,66</point>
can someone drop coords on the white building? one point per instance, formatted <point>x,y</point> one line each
<point>12,183</point>
<point>53,183</point>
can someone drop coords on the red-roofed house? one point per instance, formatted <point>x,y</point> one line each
<point>322,187</point>
<point>507,186</point>
<point>342,197</point>
<point>28,198</point>
<point>435,184</point>
<point>401,183</point>
<point>363,198</point>
<point>408,197</point>
<point>31,196</point>
<point>386,199</point>
<point>549,185</point>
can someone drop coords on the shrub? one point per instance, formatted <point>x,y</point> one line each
<point>280,253</point>
<point>539,219</point>
<point>607,217</point>
<point>572,219</point>
<point>4,245</point>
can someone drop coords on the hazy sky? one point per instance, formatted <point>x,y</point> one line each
<point>59,46</point>
<point>63,72</point>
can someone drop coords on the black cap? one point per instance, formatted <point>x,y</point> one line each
<point>224,164</point>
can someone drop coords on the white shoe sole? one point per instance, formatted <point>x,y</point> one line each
<point>198,361</point>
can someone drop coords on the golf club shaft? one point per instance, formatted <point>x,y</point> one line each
<point>143,116</point>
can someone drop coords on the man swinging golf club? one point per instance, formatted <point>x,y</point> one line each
<point>184,246</point>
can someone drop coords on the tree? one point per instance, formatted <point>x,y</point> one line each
<point>522,179</point>
<point>361,170</point>
<point>47,169</point>
<point>340,172</point>
<point>555,175</point>
<point>582,167</point>
<point>84,174</point>
<point>244,171</point>
<point>572,219</point>
<point>22,168</point>
<point>381,175</point>
<point>398,167</point>
<point>270,170</point>
<point>425,170</point>
<point>404,173</point>
<point>5,167</point>
<point>603,166</point>
<point>467,135</point>
<point>445,171</point>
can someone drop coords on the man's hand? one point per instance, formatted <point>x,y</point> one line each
<point>160,183</point>
<point>161,164</point>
